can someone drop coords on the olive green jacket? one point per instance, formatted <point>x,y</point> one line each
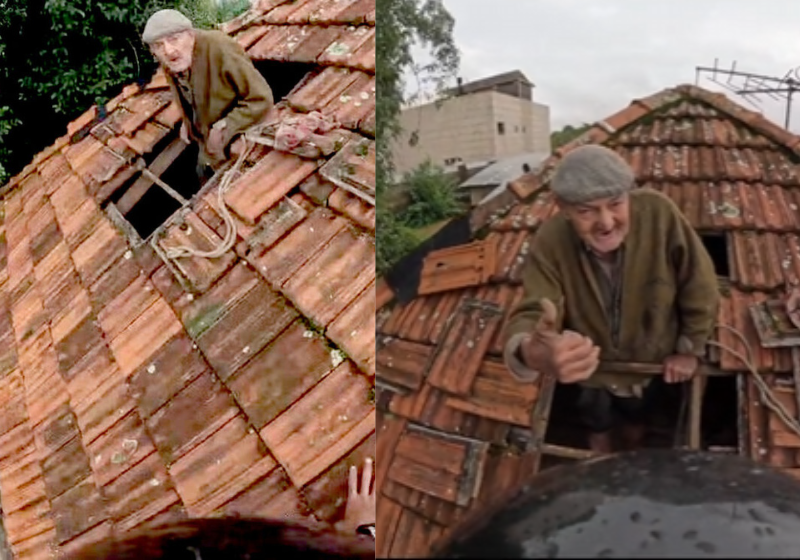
<point>224,84</point>
<point>670,294</point>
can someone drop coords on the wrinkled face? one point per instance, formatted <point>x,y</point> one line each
<point>602,224</point>
<point>174,52</point>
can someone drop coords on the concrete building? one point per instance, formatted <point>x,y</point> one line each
<point>485,120</point>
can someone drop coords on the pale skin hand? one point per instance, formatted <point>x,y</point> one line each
<point>216,137</point>
<point>680,367</point>
<point>360,509</point>
<point>570,356</point>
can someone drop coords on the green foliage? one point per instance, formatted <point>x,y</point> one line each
<point>402,24</point>
<point>395,240</point>
<point>58,57</point>
<point>433,196</point>
<point>567,135</point>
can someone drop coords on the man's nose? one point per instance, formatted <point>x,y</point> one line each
<point>606,219</point>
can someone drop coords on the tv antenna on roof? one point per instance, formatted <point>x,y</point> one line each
<point>749,86</point>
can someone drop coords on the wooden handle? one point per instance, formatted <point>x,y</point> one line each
<point>642,368</point>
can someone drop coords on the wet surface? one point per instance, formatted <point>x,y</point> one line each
<point>648,504</point>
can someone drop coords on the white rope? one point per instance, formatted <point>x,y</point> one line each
<point>767,396</point>
<point>229,239</point>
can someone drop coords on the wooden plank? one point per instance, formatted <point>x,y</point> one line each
<point>162,162</point>
<point>426,479</point>
<point>435,453</point>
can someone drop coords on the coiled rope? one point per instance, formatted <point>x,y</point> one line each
<point>229,238</point>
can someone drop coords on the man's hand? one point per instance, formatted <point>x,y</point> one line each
<point>360,508</point>
<point>569,356</point>
<point>184,133</point>
<point>216,139</point>
<point>680,367</point>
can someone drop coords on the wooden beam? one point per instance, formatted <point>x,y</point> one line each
<point>639,368</point>
<point>162,162</point>
<point>696,411</point>
<point>568,452</point>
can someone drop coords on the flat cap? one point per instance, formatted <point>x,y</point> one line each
<point>590,173</point>
<point>163,23</point>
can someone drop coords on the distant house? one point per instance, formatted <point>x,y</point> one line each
<point>484,120</point>
<point>494,177</point>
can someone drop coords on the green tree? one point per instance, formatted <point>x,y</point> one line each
<point>58,57</point>
<point>433,196</point>
<point>567,135</point>
<point>403,24</point>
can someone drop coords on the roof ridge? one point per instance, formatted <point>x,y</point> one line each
<point>529,184</point>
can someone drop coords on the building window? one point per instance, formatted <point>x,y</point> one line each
<point>501,128</point>
<point>452,160</point>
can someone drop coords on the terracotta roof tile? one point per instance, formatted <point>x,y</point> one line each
<point>234,450</point>
<point>97,415</point>
<point>273,39</point>
<point>282,260</point>
<point>326,284</point>
<point>175,427</point>
<point>156,325</point>
<point>345,48</point>
<point>354,330</point>
<point>104,345</point>
<point>260,387</point>
<point>265,184</point>
<point>77,510</point>
<point>320,428</point>
<point>140,493</point>
<point>273,496</point>
<point>321,90</point>
<point>120,448</point>
<point>166,373</point>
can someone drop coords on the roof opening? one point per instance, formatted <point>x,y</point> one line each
<point>715,244</point>
<point>143,202</point>
<point>667,423</point>
<point>282,77</point>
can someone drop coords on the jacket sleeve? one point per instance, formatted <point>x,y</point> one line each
<point>255,95</point>
<point>540,280</point>
<point>698,296</point>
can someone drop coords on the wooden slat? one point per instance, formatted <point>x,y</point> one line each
<point>162,162</point>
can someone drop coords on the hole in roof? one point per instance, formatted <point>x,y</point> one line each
<point>156,205</point>
<point>717,248</point>
<point>282,77</point>
<point>719,418</point>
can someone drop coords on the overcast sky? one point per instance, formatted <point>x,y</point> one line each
<point>590,58</point>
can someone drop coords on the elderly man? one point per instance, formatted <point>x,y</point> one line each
<point>618,274</point>
<point>220,92</point>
